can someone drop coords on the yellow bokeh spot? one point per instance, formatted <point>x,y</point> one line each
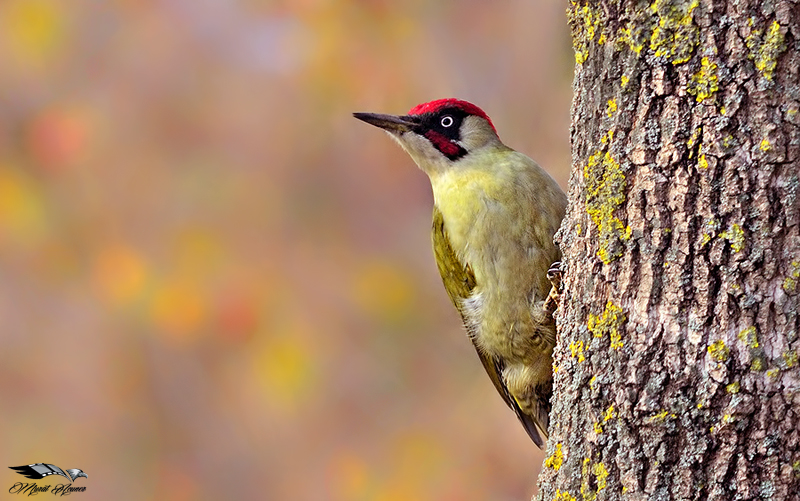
<point>179,310</point>
<point>119,273</point>
<point>285,368</point>
<point>383,290</point>
<point>33,29</point>
<point>396,493</point>
<point>22,212</point>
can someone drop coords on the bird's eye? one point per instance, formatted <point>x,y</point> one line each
<point>447,121</point>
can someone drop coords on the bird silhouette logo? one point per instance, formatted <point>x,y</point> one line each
<point>36,471</point>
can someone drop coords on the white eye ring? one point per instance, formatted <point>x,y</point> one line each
<point>447,121</point>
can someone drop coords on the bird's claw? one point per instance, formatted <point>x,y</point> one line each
<point>554,298</point>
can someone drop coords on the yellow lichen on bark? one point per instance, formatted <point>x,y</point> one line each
<point>609,322</point>
<point>718,351</point>
<point>705,82</point>
<point>555,460</point>
<point>675,35</point>
<point>764,51</point>
<point>605,192</point>
<point>586,24</point>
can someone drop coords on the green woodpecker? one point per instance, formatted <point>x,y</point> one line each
<point>495,212</point>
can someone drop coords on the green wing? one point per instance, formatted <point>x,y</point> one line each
<point>459,282</point>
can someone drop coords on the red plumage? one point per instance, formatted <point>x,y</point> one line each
<point>434,106</point>
<point>443,144</point>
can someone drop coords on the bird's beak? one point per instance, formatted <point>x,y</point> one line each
<point>390,123</point>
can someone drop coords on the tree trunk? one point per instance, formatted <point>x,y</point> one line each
<point>676,369</point>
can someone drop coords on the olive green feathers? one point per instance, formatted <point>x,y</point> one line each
<point>459,282</point>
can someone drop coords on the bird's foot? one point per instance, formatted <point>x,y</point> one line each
<point>554,298</point>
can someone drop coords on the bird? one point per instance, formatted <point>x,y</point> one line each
<point>36,471</point>
<point>495,214</point>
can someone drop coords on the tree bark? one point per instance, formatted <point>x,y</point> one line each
<point>676,369</point>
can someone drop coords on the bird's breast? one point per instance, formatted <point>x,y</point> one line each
<point>462,199</point>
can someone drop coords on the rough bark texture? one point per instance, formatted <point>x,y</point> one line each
<point>676,372</point>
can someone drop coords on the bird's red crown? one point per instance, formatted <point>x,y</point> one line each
<point>434,106</point>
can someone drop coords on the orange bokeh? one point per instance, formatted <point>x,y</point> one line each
<point>120,273</point>
<point>57,138</point>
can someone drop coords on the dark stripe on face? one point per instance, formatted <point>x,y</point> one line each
<point>446,146</point>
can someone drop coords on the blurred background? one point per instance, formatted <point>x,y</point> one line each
<point>214,282</point>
